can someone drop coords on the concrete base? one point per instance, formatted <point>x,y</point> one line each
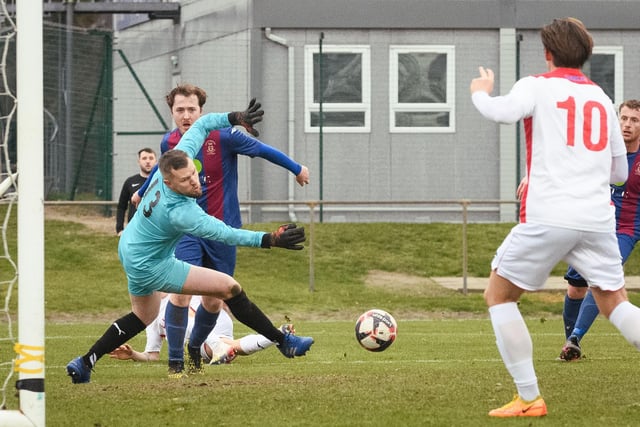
<point>478,284</point>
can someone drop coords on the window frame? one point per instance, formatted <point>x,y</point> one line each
<point>395,106</point>
<point>618,53</point>
<point>310,106</point>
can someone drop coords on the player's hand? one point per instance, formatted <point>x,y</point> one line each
<point>135,199</point>
<point>287,236</point>
<point>248,118</point>
<point>521,188</point>
<point>303,177</point>
<point>484,82</point>
<point>124,352</point>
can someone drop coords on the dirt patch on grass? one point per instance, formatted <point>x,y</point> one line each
<point>89,216</point>
<point>401,282</point>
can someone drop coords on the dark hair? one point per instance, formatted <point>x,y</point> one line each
<point>632,104</point>
<point>568,41</point>
<point>172,160</point>
<point>146,150</point>
<point>186,89</point>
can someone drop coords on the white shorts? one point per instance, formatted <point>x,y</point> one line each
<point>530,251</point>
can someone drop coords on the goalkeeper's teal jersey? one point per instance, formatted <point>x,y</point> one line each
<point>147,244</point>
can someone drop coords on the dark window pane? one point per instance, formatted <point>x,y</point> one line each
<point>422,119</point>
<point>341,77</point>
<point>422,77</point>
<point>601,68</point>
<point>338,119</point>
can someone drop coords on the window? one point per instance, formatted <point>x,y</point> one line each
<point>344,90</point>
<point>605,68</point>
<point>422,88</point>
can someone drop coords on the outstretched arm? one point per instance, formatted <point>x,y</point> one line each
<point>303,177</point>
<point>246,145</point>
<point>510,108</point>
<point>277,157</point>
<point>191,219</point>
<point>126,352</point>
<point>192,140</point>
<point>247,118</point>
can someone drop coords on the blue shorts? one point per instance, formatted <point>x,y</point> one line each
<point>207,253</point>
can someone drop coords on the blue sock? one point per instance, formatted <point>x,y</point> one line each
<point>587,315</point>
<point>202,326</point>
<point>570,313</point>
<point>176,319</point>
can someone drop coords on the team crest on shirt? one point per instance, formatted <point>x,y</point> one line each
<point>636,171</point>
<point>210,147</point>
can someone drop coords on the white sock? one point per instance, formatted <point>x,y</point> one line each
<point>252,343</point>
<point>515,347</point>
<point>626,317</point>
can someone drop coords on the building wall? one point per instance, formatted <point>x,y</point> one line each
<point>381,165</point>
<point>222,46</point>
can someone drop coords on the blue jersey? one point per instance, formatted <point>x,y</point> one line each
<point>217,165</point>
<point>147,244</point>
<point>626,198</point>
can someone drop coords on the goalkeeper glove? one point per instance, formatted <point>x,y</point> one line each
<point>287,236</point>
<point>247,118</point>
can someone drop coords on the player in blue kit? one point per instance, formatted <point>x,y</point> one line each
<point>217,165</point>
<point>146,250</point>
<point>580,309</point>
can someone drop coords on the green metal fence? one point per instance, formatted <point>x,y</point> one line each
<point>78,111</point>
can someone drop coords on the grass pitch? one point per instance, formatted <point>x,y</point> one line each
<point>443,370</point>
<point>437,373</point>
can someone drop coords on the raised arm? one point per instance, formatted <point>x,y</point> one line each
<point>510,108</point>
<point>192,140</point>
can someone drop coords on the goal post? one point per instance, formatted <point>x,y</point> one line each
<point>29,350</point>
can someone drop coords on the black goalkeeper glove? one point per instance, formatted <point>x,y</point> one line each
<point>287,236</point>
<point>247,118</point>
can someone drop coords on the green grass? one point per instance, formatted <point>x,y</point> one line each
<point>437,373</point>
<point>443,370</point>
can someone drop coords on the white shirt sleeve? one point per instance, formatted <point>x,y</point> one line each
<point>516,105</point>
<point>619,169</point>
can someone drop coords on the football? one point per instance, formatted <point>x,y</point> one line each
<point>376,330</point>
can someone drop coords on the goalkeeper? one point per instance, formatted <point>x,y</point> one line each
<point>218,161</point>
<point>168,211</point>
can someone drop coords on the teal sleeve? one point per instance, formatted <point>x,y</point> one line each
<point>192,140</point>
<point>192,219</point>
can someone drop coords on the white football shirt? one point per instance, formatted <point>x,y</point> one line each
<point>572,133</point>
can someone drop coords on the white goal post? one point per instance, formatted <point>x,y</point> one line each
<point>29,361</point>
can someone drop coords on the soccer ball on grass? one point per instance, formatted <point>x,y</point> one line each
<point>376,330</point>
